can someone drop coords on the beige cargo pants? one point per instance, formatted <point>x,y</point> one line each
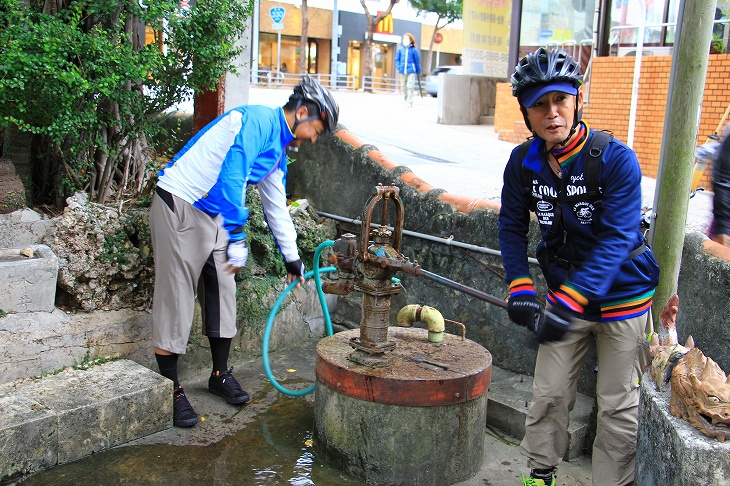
<point>621,352</point>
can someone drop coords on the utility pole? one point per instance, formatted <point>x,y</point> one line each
<point>679,141</point>
<point>335,44</point>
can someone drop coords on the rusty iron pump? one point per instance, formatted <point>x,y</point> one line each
<point>369,267</point>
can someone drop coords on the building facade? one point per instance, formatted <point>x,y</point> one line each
<point>282,54</point>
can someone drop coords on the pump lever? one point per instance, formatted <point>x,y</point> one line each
<point>539,319</point>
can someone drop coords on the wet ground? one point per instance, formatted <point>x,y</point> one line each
<point>267,442</point>
<point>276,448</point>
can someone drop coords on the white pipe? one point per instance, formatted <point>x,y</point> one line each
<point>637,75</point>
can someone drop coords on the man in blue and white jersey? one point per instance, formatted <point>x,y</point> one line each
<point>197,220</point>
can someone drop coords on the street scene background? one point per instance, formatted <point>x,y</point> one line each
<point>468,160</point>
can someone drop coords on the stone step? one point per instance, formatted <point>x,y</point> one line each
<point>510,395</point>
<point>72,414</point>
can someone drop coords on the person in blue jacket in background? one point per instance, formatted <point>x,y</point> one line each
<point>408,64</point>
<point>600,273</point>
<point>197,218</point>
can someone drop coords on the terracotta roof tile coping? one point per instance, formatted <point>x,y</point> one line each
<point>463,204</point>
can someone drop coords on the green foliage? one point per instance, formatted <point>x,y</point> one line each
<point>114,249</point>
<point>84,80</point>
<point>447,10</point>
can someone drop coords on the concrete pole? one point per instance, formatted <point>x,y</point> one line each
<point>334,45</point>
<point>679,141</point>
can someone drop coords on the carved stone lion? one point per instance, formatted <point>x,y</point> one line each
<point>701,394</point>
<point>700,389</point>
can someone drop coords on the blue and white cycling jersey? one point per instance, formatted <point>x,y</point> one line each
<point>212,171</point>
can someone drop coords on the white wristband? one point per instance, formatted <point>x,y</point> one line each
<point>237,253</point>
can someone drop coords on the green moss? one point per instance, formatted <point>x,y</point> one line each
<point>114,249</point>
<point>255,297</point>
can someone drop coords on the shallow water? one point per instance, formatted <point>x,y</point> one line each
<point>275,449</point>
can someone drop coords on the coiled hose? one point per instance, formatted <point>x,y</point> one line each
<point>274,310</point>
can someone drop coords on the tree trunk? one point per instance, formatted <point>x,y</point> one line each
<point>304,51</point>
<point>366,55</point>
<point>366,52</point>
<point>429,67</point>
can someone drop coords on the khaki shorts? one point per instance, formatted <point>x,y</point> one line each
<point>190,250</point>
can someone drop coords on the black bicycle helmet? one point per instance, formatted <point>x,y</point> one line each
<point>543,68</point>
<point>311,90</point>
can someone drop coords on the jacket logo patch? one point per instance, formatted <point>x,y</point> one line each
<point>543,206</point>
<point>584,212</point>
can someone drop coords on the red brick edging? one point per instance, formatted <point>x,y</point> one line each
<point>463,204</point>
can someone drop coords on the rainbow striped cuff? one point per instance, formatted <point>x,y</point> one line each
<point>570,298</point>
<point>521,286</point>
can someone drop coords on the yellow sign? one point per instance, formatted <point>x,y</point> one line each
<point>486,37</point>
<point>385,26</point>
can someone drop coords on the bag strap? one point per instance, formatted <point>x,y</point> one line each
<point>592,165</point>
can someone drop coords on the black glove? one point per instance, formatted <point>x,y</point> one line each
<point>523,309</point>
<point>295,268</point>
<point>552,325</point>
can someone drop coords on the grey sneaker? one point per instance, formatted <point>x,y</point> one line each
<point>224,385</point>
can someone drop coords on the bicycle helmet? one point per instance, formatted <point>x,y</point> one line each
<point>544,71</point>
<point>311,90</point>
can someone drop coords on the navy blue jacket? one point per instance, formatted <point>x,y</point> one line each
<point>596,240</point>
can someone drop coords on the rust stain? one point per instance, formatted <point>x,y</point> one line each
<point>412,379</point>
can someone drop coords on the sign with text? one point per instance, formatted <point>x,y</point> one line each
<point>277,14</point>
<point>486,37</point>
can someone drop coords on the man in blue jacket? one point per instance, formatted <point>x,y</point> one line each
<point>600,274</point>
<point>197,219</point>
<point>408,64</point>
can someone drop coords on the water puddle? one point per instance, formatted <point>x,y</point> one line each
<point>275,449</point>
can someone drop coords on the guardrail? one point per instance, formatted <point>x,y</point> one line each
<point>390,85</point>
<point>276,79</point>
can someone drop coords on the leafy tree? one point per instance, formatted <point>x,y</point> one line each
<point>366,53</point>
<point>78,75</point>
<point>448,11</point>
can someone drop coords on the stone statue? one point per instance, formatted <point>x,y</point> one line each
<point>700,389</point>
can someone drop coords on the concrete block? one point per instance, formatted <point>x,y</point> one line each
<point>510,396</point>
<point>464,99</point>
<point>670,451</point>
<point>24,227</point>
<point>32,343</point>
<point>94,409</point>
<point>28,438</point>
<point>28,284</point>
